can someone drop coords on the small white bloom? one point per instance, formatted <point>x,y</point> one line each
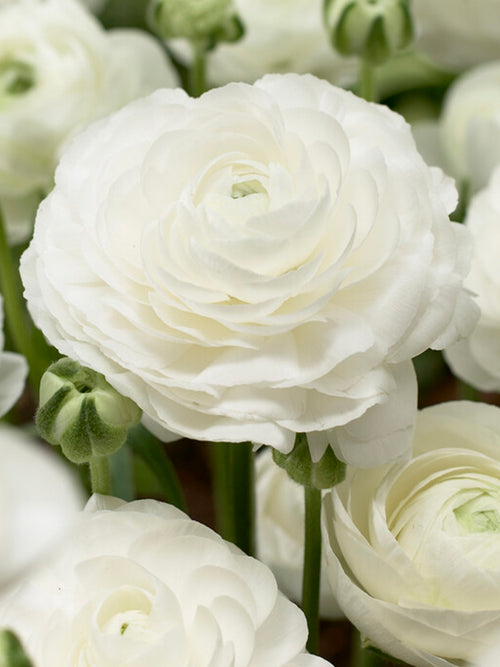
<point>141,584</point>
<point>458,33</point>
<point>279,37</point>
<point>260,261</point>
<point>280,531</point>
<point>476,359</point>
<point>13,372</point>
<point>59,70</point>
<point>413,549</point>
<point>39,499</point>
<point>469,127</point>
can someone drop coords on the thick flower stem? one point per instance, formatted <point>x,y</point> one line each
<point>312,564</point>
<point>197,72</point>
<point>234,493</point>
<point>19,326</point>
<point>100,478</point>
<point>366,87</point>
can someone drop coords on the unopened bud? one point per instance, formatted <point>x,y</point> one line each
<point>322,474</point>
<point>204,22</point>
<point>82,412</point>
<point>11,651</point>
<point>372,29</point>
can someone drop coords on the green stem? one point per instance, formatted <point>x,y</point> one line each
<point>467,393</point>
<point>234,493</point>
<point>312,564</point>
<point>222,490</point>
<point>144,444</point>
<point>100,478</point>
<point>19,326</point>
<point>197,72</point>
<point>366,81</point>
<point>244,497</point>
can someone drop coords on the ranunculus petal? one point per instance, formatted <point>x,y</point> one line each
<point>140,583</point>
<point>412,548</point>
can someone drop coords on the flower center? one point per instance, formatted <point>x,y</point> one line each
<point>480,514</point>
<point>16,78</point>
<point>125,608</point>
<point>244,188</point>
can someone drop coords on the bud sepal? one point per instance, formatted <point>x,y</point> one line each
<point>322,474</point>
<point>80,411</point>
<point>204,24</point>
<point>372,29</point>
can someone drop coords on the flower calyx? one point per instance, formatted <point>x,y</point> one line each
<point>372,29</point>
<point>80,411</point>
<point>322,474</point>
<point>204,23</point>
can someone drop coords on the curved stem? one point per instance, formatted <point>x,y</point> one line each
<point>312,564</point>
<point>144,444</point>
<point>100,478</point>
<point>366,81</point>
<point>20,327</point>
<point>466,392</point>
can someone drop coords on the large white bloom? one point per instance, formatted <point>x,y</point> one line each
<point>141,584</point>
<point>413,549</point>
<point>39,501</point>
<point>458,33</point>
<point>59,70</point>
<point>261,261</point>
<point>280,531</point>
<point>280,36</point>
<point>13,371</point>
<point>477,358</point>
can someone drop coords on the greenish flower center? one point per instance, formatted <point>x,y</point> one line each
<point>16,78</point>
<point>245,188</point>
<point>479,514</point>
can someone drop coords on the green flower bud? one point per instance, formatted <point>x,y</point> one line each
<point>11,652</point>
<point>322,474</point>
<point>204,22</point>
<point>82,413</point>
<point>372,29</point>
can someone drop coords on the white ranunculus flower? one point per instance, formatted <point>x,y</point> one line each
<point>469,127</point>
<point>477,359</point>
<point>260,261</point>
<point>280,36</point>
<point>490,659</point>
<point>280,531</point>
<point>413,549</point>
<point>59,70</point>
<point>39,500</point>
<point>457,33</point>
<point>13,372</point>
<point>141,584</point>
